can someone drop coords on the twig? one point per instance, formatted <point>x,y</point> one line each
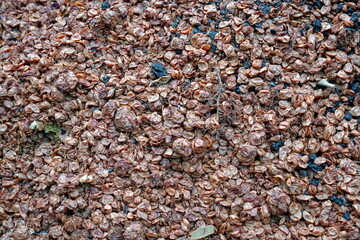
<point>220,86</point>
<point>324,82</point>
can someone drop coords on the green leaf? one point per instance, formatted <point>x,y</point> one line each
<point>202,232</point>
<point>53,130</point>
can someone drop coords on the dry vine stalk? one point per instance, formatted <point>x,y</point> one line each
<point>220,89</point>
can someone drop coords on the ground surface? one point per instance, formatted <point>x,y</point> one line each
<point>149,119</point>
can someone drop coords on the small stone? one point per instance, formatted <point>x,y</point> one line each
<point>318,3</point>
<point>277,145</point>
<point>178,51</point>
<point>314,167</point>
<point>159,70</point>
<point>247,64</point>
<point>237,89</point>
<point>55,6</point>
<point>106,78</point>
<point>303,173</point>
<point>355,17</point>
<point>196,30</point>
<point>315,182</point>
<point>348,116</point>
<point>312,156</point>
<point>212,47</point>
<point>265,9</point>
<point>212,35</point>
<point>338,201</point>
<point>273,84</point>
<point>354,86</point>
<point>346,216</point>
<point>105,5</point>
<point>317,25</point>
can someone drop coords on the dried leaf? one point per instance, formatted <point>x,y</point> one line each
<point>202,232</point>
<point>37,125</point>
<point>161,80</point>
